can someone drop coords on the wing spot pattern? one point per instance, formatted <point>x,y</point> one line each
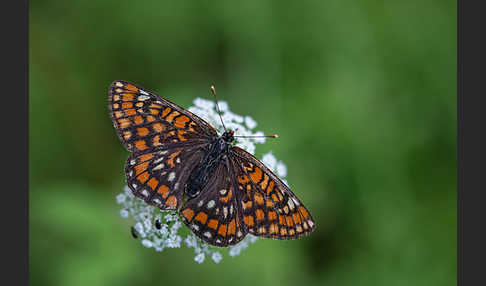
<point>213,223</point>
<point>143,177</point>
<point>138,120</point>
<point>201,217</point>
<point>256,176</point>
<point>145,157</point>
<point>141,167</point>
<point>171,201</point>
<point>171,116</point>
<point>260,215</point>
<point>124,123</point>
<point>166,111</point>
<point>156,141</point>
<point>126,105</point>
<point>226,199</point>
<point>248,220</point>
<point>141,145</point>
<point>171,158</point>
<point>164,191</point>
<point>222,230</point>
<point>188,214</point>
<point>152,183</point>
<point>259,199</point>
<point>142,131</point>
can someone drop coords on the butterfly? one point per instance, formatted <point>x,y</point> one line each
<point>179,162</point>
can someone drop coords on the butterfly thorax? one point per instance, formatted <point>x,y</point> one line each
<point>217,151</point>
<point>228,136</point>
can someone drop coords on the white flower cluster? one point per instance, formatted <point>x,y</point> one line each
<point>162,229</point>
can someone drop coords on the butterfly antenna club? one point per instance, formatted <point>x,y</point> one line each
<point>213,91</point>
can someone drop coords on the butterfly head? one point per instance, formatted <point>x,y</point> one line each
<point>228,136</point>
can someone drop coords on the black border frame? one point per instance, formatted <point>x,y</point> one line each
<point>15,86</point>
<point>471,143</point>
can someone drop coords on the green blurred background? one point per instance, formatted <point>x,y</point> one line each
<point>362,94</point>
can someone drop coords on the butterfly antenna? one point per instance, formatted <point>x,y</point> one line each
<point>213,91</point>
<point>257,136</point>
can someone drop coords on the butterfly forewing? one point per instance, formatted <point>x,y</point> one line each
<point>214,214</point>
<point>269,208</point>
<point>144,120</point>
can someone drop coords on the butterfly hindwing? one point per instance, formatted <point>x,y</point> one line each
<point>214,215</point>
<point>144,120</point>
<point>159,177</point>
<point>269,208</point>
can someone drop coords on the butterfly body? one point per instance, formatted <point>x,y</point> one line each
<point>218,150</point>
<point>179,162</point>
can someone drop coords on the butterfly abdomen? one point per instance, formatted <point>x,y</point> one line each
<point>218,150</point>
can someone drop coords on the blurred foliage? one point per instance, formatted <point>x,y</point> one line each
<point>362,94</point>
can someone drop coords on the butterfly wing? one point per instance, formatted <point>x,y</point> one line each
<point>144,120</point>
<point>269,208</point>
<point>214,215</point>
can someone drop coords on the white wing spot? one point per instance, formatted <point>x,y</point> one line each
<point>132,162</point>
<point>207,234</point>
<point>231,209</point>
<point>217,210</point>
<point>218,240</point>
<point>211,204</point>
<point>157,201</point>
<point>144,192</point>
<point>225,212</point>
<point>160,166</point>
<point>143,97</point>
<point>119,84</point>
<point>296,201</point>
<point>176,186</point>
<point>143,92</point>
<point>223,192</point>
<point>239,234</point>
<point>195,226</point>
<point>171,177</point>
<point>291,204</point>
<point>158,160</point>
<point>134,186</point>
<point>178,160</point>
<point>311,224</point>
<point>163,152</point>
<point>201,202</point>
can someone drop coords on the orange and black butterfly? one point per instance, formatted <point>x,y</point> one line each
<point>179,162</point>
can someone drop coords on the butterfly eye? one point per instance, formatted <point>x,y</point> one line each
<point>157,224</point>
<point>134,232</point>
